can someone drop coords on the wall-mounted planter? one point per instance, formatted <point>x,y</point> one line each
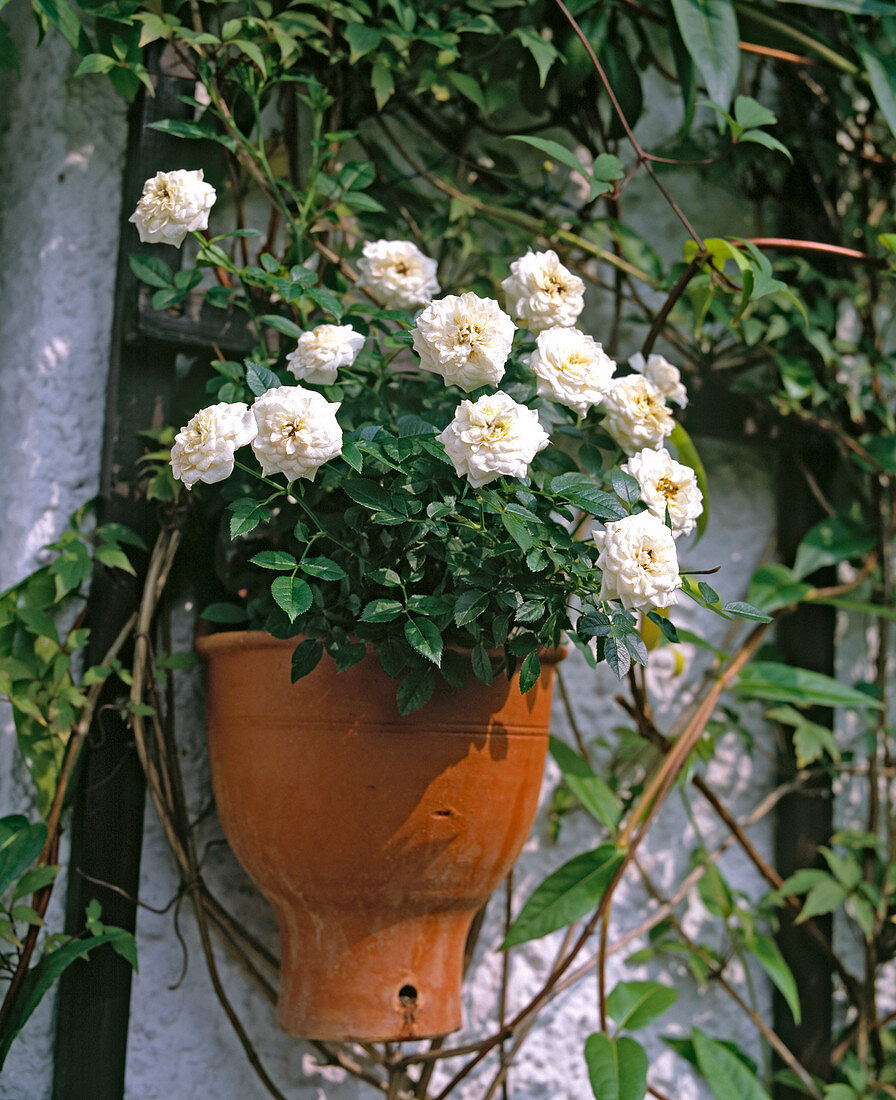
<point>375,836</point>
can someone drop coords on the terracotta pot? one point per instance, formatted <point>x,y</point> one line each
<point>375,836</point>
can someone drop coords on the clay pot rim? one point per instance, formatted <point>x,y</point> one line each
<point>246,639</point>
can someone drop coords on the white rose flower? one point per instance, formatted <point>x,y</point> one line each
<point>398,273</point>
<point>491,437</point>
<point>172,205</point>
<point>572,368</point>
<point>204,449</point>
<point>321,352</point>
<point>297,432</point>
<point>639,562</point>
<point>465,339</point>
<point>542,293</point>
<point>636,413</point>
<point>663,375</point>
<point>666,483</point>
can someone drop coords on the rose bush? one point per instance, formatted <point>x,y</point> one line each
<point>395,511</point>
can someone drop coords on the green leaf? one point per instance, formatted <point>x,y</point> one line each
<point>482,665</point>
<point>517,531</point>
<point>41,977</point>
<point>633,1005</point>
<point>710,34</point>
<point>728,1077</point>
<point>415,690</point>
<point>281,324</point>
<point>543,52</point>
<point>852,7</point>
<point>582,493</point>
<point>760,137</point>
<point>824,897</point>
<point>381,611</point>
<point>774,586</point>
<point>810,739</point>
<point>20,845</point>
<point>423,636</point>
<point>292,595</point>
<point>305,658</point>
<point>746,611</point>
<point>771,680</point>
<point>569,893</point>
<point>259,379</point>
<point>246,514</point>
<point>530,670</point>
<point>553,149</point>
<point>277,560</point>
<point>151,270</point>
<point>470,605</point>
<point>35,879</point>
<point>831,541</point>
<point>765,951</point>
<point>324,568</point>
<point>224,613</point>
<point>617,1068</point>
<point>362,38</point>
<point>383,84</point>
<point>590,789</point>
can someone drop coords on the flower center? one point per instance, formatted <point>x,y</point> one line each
<point>292,429</point>
<point>401,268</point>
<point>667,487</point>
<point>497,430</point>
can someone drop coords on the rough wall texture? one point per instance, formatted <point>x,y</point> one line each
<point>60,160</point>
<point>61,155</point>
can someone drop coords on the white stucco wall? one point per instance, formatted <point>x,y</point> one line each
<point>61,150</point>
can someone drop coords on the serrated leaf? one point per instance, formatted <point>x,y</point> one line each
<point>281,324</point>
<point>617,1067</point>
<point>415,690</point>
<point>277,560</point>
<point>470,605</point>
<point>530,670</point>
<point>305,658</point>
<point>246,514</point>
<point>324,568</point>
<point>633,1005</point>
<point>292,595</point>
<point>569,893</point>
<point>260,379</point>
<point>517,531</point>
<point>482,665</point>
<point>151,270</point>
<point>423,636</point>
<point>381,611</point>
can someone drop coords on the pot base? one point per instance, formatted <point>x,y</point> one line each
<point>394,983</point>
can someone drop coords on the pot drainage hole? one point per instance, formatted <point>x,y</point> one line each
<point>407,996</point>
